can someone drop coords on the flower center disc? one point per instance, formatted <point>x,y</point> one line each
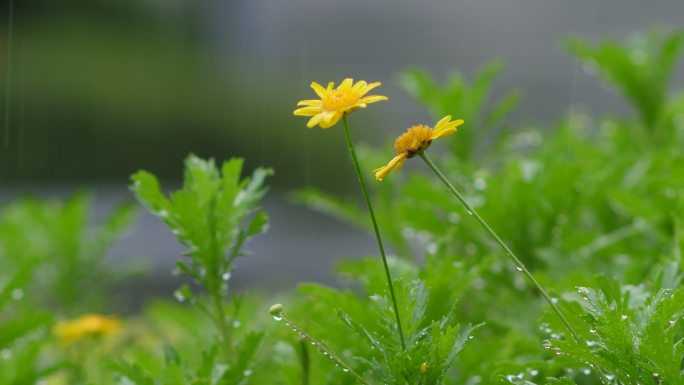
<point>416,139</point>
<point>339,100</point>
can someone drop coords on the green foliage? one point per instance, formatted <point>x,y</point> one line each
<point>207,216</point>
<point>210,370</point>
<point>642,69</point>
<point>592,197</point>
<point>634,334</point>
<point>55,246</point>
<point>51,264</point>
<point>213,214</point>
<point>432,345</point>
<point>589,197</point>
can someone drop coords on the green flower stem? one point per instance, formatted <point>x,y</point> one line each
<point>304,360</point>
<point>352,153</point>
<point>501,243</point>
<point>322,348</point>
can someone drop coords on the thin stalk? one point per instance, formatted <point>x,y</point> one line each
<point>322,348</point>
<point>352,153</point>
<point>304,361</point>
<point>222,325</point>
<point>501,243</point>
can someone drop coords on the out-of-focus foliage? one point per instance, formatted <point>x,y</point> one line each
<point>208,215</point>
<point>594,197</point>
<point>51,259</point>
<point>642,70</point>
<point>64,248</point>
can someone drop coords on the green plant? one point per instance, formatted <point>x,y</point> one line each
<point>213,214</point>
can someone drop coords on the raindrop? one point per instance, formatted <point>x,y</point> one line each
<point>470,337</point>
<point>656,375</point>
<point>592,330</point>
<point>610,377</point>
<point>470,249</point>
<point>226,276</point>
<point>586,371</point>
<point>554,300</point>
<point>179,296</point>
<point>469,212</point>
<point>277,317</point>
<point>518,268</point>
<point>17,294</point>
<point>623,317</point>
<point>534,372</point>
<point>672,322</point>
<point>345,370</point>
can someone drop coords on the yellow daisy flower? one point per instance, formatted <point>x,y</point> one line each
<point>89,325</point>
<point>415,140</point>
<point>334,103</point>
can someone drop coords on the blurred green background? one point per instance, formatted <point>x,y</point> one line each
<point>101,88</point>
<point>95,90</point>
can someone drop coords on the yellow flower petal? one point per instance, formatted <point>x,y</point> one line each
<point>307,111</point>
<point>372,99</point>
<point>369,87</point>
<point>442,122</point>
<point>312,102</point>
<point>314,121</point>
<point>361,84</point>
<point>445,128</point>
<point>330,119</point>
<point>335,102</point>
<point>397,162</point>
<point>320,91</point>
<point>90,325</point>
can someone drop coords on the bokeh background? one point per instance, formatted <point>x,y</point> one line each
<point>96,89</point>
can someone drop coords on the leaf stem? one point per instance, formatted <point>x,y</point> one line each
<point>501,243</point>
<point>352,153</point>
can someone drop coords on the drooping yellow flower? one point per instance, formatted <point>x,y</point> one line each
<point>89,325</point>
<point>415,140</point>
<point>334,103</point>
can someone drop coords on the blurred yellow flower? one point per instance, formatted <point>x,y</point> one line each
<point>89,325</point>
<point>334,103</point>
<point>415,140</point>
